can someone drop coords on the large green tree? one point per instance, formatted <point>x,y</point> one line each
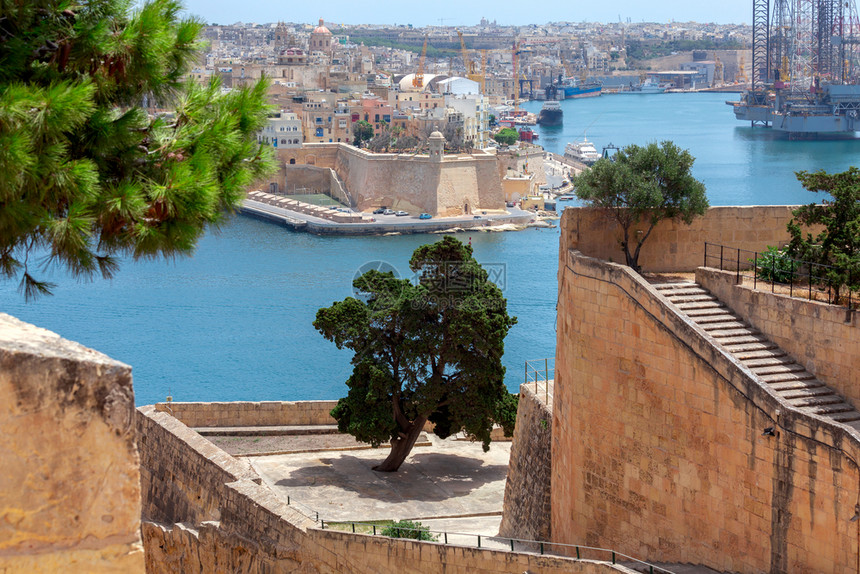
<point>836,245</point>
<point>424,350</point>
<point>88,171</point>
<point>643,184</point>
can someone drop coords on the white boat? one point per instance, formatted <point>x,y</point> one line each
<point>649,86</point>
<point>582,151</point>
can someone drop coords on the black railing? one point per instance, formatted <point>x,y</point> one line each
<point>802,278</point>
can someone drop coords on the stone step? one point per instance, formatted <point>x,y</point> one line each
<point>731,333</point>
<point>787,386</point>
<point>723,325</point>
<point>833,409</point>
<point>824,401</point>
<point>700,305</point>
<point>791,367</point>
<point>787,377</point>
<point>763,345</point>
<point>678,298</point>
<point>744,340</point>
<point>682,292</point>
<point>805,392</point>
<point>676,285</point>
<point>695,314</point>
<point>775,352</point>
<point>756,362</point>
<point>714,318</point>
<point>845,418</point>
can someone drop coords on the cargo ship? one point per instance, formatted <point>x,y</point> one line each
<point>551,114</point>
<point>573,88</point>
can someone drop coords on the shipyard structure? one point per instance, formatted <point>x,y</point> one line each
<point>806,68</point>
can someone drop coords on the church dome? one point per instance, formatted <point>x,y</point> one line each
<point>321,29</point>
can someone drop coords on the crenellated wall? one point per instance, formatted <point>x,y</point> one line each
<point>659,447</point>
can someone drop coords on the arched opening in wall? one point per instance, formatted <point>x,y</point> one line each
<point>273,187</point>
<point>466,209</point>
<point>292,161</point>
<point>311,160</point>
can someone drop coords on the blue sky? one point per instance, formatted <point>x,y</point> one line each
<point>469,13</point>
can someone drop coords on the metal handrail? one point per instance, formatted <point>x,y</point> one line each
<point>730,259</point>
<point>534,374</point>
<point>540,545</point>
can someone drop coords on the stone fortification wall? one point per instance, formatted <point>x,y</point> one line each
<point>527,507</point>
<point>658,443</point>
<point>305,179</point>
<point>674,246</point>
<point>825,339</point>
<point>251,414</point>
<point>69,483</point>
<point>409,182</point>
<point>399,182</point>
<point>223,520</point>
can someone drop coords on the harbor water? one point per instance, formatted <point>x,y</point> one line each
<point>233,322</point>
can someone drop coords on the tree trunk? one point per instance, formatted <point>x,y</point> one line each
<point>401,447</point>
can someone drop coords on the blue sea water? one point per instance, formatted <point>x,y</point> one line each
<point>233,322</point>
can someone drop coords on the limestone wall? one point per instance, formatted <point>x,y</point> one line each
<point>674,246</point>
<point>69,483</point>
<point>658,445</point>
<point>527,507</point>
<point>409,182</point>
<point>205,511</point>
<point>249,414</point>
<point>825,339</point>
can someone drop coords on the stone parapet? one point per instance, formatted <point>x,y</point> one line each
<point>69,482</point>
<point>251,414</point>
<point>673,245</point>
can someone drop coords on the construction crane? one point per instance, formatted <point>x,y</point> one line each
<point>418,78</point>
<point>470,65</point>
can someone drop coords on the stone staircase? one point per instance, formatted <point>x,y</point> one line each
<point>765,359</point>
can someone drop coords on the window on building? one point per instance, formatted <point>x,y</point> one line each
<point>319,132</point>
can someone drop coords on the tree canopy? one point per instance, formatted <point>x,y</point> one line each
<point>363,131</point>
<point>643,184</point>
<point>837,243</point>
<point>507,136</point>
<point>424,350</point>
<point>88,170</point>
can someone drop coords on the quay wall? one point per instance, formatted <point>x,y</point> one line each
<point>206,511</point>
<point>659,447</point>
<point>528,504</point>
<point>824,338</point>
<point>673,245</point>
<point>69,484</point>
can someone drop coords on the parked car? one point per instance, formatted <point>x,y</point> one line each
<point>401,213</point>
<point>379,211</point>
<point>477,217</point>
<point>425,216</point>
<point>388,212</point>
